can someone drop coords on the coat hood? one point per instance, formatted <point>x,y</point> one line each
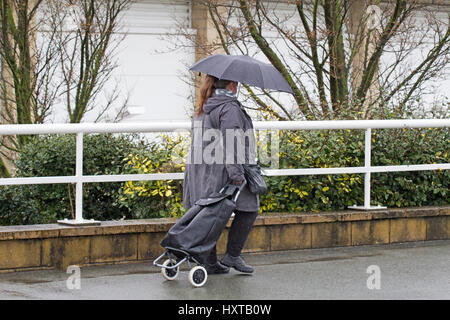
<point>216,100</point>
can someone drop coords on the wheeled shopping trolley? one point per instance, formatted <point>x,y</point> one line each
<point>170,268</point>
<point>195,234</point>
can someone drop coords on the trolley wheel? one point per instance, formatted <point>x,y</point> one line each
<point>197,276</point>
<point>170,274</point>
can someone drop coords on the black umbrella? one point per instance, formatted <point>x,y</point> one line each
<point>243,69</point>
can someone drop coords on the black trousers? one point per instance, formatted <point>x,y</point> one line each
<point>238,234</point>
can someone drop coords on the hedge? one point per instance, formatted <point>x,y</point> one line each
<point>54,155</point>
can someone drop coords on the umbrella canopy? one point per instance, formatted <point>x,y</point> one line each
<point>243,69</point>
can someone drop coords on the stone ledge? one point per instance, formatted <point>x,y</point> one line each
<point>58,246</point>
<point>43,231</point>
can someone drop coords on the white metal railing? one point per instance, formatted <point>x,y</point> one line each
<point>85,128</point>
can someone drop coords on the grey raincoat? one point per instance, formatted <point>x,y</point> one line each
<point>222,139</point>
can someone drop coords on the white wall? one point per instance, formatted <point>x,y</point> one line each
<point>153,60</point>
<point>151,63</point>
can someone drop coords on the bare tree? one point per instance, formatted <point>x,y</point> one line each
<point>330,51</point>
<point>88,51</point>
<point>27,77</point>
<point>54,48</point>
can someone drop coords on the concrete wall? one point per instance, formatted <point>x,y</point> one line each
<point>57,246</point>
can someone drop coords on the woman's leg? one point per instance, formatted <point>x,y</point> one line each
<point>212,256</point>
<point>238,234</point>
<point>239,231</point>
<point>212,265</point>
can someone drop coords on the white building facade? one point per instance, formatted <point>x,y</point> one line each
<point>153,59</point>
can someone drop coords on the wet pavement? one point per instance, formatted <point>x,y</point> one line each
<point>419,270</point>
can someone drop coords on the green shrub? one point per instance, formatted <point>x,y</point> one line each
<point>54,155</point>
<point>345,148</point>
<point>149,199</point>
<point>125,154</point>
<point>411,146</point>
<point>316,149</point>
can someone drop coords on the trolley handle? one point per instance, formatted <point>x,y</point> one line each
<point>241,187</point>
<point>235,187</point>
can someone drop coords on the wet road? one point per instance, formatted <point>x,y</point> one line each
<point>404,271</point>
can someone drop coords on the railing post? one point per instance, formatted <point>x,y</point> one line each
<point>79,220</point>
<point>79,177</point>
<point>367,166</point>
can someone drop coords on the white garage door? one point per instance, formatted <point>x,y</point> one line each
<point>153,61</point>
<point>152,66</point>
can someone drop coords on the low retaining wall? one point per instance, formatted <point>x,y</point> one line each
<point>58,246</point>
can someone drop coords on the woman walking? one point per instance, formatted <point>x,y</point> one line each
<point>212,163</point>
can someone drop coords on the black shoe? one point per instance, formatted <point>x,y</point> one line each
<point>216,268</point>
<point>237,263</point>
